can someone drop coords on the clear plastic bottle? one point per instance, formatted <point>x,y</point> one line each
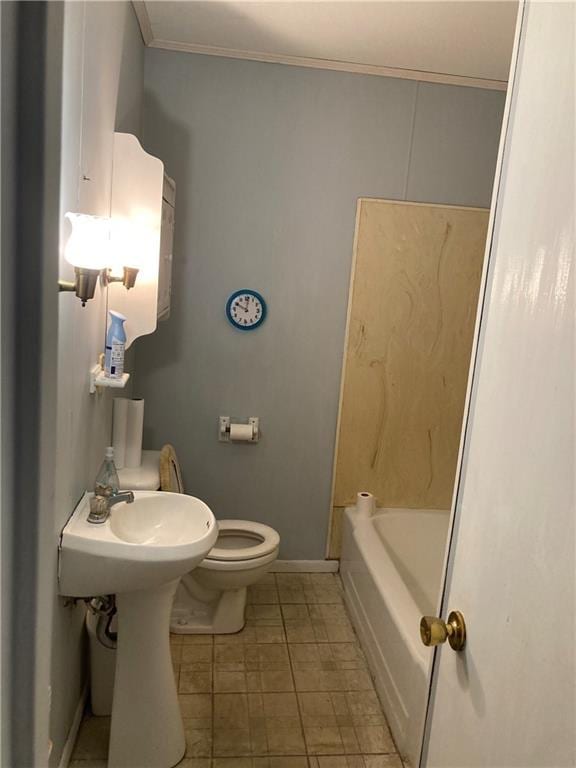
<point>107,482</point>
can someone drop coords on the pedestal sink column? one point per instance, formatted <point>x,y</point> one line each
<point>147,729</point>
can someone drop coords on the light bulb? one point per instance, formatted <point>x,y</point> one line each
<point>88,246</point>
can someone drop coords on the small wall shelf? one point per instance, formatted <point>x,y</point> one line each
<point>99,379</point>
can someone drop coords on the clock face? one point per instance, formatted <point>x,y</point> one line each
<point>246,309</point>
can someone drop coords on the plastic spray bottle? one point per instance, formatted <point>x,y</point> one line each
<point>115,346</point>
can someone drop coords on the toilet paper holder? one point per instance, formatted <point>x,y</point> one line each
<point>225,433</point>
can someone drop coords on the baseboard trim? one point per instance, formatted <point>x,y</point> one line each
<point>305,566</point>
<point>74,728</point>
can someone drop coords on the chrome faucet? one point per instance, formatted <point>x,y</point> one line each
<point>100,505</point>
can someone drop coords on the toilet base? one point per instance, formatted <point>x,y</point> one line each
<point>222,616</point>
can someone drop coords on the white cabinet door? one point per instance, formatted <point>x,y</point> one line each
<point>509,698</point>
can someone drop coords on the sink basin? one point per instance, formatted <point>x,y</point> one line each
<point>139,554</point>
<point>157,538</point>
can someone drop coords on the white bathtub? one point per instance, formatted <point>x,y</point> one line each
<point>391,569</point>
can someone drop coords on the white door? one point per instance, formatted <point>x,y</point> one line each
<point>508,699</point>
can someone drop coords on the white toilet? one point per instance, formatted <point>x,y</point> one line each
<point>212,598</point>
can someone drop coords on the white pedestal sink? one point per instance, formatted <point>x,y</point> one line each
<point>139,554</point>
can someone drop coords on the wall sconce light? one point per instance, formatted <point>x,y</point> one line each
<point>125,253</point>
<point>128,278</point>
<point>100,248</point>
<point>88,250</point>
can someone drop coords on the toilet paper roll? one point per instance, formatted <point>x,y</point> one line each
<point>365,504</point>
<point>134,429</point>
<point>241,432</point>
<point>119,426</point>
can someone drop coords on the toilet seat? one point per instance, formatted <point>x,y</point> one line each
<point>242,545</point>
<point>241,540</point>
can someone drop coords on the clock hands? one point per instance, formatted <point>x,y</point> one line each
<point>242,306</point>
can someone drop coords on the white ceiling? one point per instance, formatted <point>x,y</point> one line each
<point>466,42</point>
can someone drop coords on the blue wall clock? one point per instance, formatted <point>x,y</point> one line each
<point>246,309</point>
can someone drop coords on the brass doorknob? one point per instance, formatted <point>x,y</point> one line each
<point>434,631</point>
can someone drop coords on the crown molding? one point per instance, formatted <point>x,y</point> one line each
<point>311,63</point>
<point>143,20</point>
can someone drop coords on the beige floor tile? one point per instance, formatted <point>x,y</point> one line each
<point>347,652</point>
<point>318,630</point>
<point>196,705</point>
<point>333,614</point>
<point>195,654</point>
<point>270,681</point>
<point>292,579</point>
<point>260,594</point>
<point>316,704</point>
<point>229,681</point>
<point>293,680</point>
<point>198,741</point>
<point>337,761</point>
<point>253,633</point>
<point>374,738</point>
<point>271,656</point>
<point>323,594</point>
<point>280,762</point>
<point>383,761</point>
<point>349,740</point>
<point>309,588</point>
<point>294,594</point>
<point>229,654</point>
<point>285,741</point>
<point>342,656</point>
<point>267,613</point>
<point>269,705</point>
<point>299,631</point>
<point>319,680</point>
<point>252,657</point>
<point>93,738</point>
<point>357,680</point>
<point>231,711</point>
<point>295,612</point>
<point>328,632</point>
<point>363,703</point>
<point>195,681</point>
<point>323,741</point>
<point>194,639</point>
<point>232,742</point>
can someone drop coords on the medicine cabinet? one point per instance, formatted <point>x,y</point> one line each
<point>142,213</point>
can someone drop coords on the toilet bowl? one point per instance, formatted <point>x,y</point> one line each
<point>212,598</point>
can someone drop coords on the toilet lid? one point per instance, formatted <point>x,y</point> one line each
<point>170,474</point>
<point>243,540</point>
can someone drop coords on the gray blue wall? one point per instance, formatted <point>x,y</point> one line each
<point>103,84</point>
<point>269,161</point>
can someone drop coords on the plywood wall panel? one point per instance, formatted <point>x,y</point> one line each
<point>413,307</point>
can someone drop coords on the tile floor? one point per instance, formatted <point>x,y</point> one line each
<point>291,690</point>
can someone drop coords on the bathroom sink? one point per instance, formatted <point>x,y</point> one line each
<point>157,538</point>
<point>139,554</point>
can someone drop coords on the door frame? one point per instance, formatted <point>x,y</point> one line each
<point>31,81</point>
<point>474,360</point>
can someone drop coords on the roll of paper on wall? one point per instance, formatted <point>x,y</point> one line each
<point>241,433</point>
